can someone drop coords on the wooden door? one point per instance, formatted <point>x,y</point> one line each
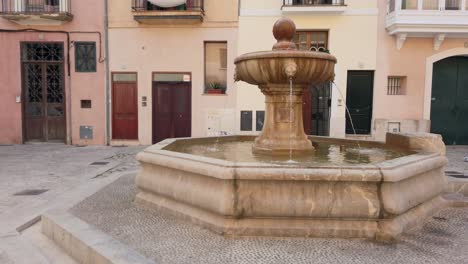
<point>359,100</point>
<point>124,110</point>
<point>172,110</point>
<point>44,102</point>
<point>449,102</point>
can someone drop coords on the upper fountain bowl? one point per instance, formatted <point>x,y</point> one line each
<point>285,62</point>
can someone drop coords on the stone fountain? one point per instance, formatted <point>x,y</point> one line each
<point>273,72</point>
<point>246,186</point>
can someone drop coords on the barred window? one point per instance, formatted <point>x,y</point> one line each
<point>396,85</point>
<point>312,40</point>
<point>85,56</point>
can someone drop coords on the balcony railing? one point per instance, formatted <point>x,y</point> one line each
<point>35,7</point>
<point>437,19</point>
<point>313,2</point>
<point>145,5</point>
<point>427,5</point>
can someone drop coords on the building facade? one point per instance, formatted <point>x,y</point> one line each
<point>171,68</point>
<point>52,71</point>
<point>346,29</point>
<point>421,79</point>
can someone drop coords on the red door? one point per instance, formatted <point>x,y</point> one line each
<point>124,110</point>
<point>172,110</point>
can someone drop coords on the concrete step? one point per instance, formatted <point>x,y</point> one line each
<point>46,247</point>
<point>457,185</point>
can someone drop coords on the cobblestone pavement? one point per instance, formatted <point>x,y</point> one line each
<point>168,239</point>
<point>54,167</point>
<point>455,154</point>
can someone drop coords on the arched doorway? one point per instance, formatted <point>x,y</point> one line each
<point>449,100</point>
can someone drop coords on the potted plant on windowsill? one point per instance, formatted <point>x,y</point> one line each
<point>215,88</point>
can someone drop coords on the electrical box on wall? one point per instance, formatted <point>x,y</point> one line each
<point>86,132</point>
<point>259,120</point>
<point>394,127</point>
<point>246,121</point>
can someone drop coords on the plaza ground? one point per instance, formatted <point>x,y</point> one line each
<point>69,174</point>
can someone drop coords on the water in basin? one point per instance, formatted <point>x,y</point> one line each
<point>325,154</point>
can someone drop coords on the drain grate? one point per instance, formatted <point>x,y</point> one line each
<point>31,192</point>
<point>99,163</point>
<point>456,174</point>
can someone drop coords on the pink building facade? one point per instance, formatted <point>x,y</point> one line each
<point>421,82</point>
<point>52,72</point>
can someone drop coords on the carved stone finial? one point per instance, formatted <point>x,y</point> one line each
<point>283,31</point>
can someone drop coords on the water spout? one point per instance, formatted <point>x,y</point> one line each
<point>290,69</point>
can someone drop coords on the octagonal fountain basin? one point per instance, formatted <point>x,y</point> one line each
<point>342,189</point>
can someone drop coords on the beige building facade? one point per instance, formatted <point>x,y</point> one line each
<point>175,65</point>
<point>348,29</point>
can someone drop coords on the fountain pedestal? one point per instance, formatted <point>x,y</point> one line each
<point>283,130</point>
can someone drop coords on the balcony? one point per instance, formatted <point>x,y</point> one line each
<point>314,6</point>
<point>167,12</point>
<point>438,19</point>
<point>36,12</point>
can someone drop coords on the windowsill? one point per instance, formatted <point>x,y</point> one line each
<point>208,94</point>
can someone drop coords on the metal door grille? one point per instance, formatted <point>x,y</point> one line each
<point>321,105</point>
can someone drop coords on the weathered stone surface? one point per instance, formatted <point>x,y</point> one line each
<point>420,142</point>
<point>380,200</point>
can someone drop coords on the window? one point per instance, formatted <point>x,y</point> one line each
<point>409,4</point>
<point>312,40</point>
<point>215,67</point>
<point>85,56</point>
<point>396,85</point>
<point>124,77</point>
<point>85,103</point>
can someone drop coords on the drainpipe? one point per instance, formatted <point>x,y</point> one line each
<point>106,43</point>
<point>70,125</point>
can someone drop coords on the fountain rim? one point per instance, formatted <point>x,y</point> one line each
<point>388,171</point>
<point>285,54</point>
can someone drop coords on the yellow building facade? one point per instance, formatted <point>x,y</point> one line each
<point>348,29</point>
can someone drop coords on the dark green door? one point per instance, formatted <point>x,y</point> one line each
<point>449,107</point>
<point>359,97</point>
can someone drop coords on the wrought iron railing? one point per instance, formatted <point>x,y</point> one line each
<point>35,6</point>
<point>313,2</point>
<point>145,5</point>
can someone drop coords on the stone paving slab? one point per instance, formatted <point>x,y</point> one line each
<point>168,239</point>
<point>52,167</point>
<point>66,172</point>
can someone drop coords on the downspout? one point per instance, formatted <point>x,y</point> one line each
<point>106,43</point>
<point>69,111</point>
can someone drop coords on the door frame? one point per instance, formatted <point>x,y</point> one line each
<point>153,104</point>
<point>371,111</point>
<point>23,86</point>
<point>112,105</point>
